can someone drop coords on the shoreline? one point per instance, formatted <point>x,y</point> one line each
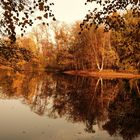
<point>103,74</point>
<point>106,74</point>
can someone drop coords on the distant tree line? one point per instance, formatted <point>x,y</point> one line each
<point>93,49</point>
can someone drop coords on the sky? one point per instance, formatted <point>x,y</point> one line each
<point>70,11</point>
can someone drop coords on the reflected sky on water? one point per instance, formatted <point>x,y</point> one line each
<point>39,106</point>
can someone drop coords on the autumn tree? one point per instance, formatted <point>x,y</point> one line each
<point>92,49</point>
<point>21,14</point>
<point>125,27</point>
<point>101,15</point>
<point>13,56</point>
<point>127,42</point>
<point>62,35</point>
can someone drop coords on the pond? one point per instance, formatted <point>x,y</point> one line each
<point>46,106</point>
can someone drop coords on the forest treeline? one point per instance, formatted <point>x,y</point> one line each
<point>73,49</point>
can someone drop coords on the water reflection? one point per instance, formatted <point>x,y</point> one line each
<point>111,104</point>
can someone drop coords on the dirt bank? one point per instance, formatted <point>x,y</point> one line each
<point>104,74</point>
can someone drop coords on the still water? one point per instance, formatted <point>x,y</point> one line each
<point>42,106</point>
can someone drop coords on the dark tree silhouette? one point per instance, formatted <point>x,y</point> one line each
<point>22,13</point>
<point>107,14</point>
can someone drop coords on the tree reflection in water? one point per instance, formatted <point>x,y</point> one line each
<point>112,104</point>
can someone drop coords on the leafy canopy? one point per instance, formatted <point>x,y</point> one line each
<point>103,15</point>
<point>22,13</point>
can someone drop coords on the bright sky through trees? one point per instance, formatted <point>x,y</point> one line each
<point>70,10</point>
<point>67,11</point>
